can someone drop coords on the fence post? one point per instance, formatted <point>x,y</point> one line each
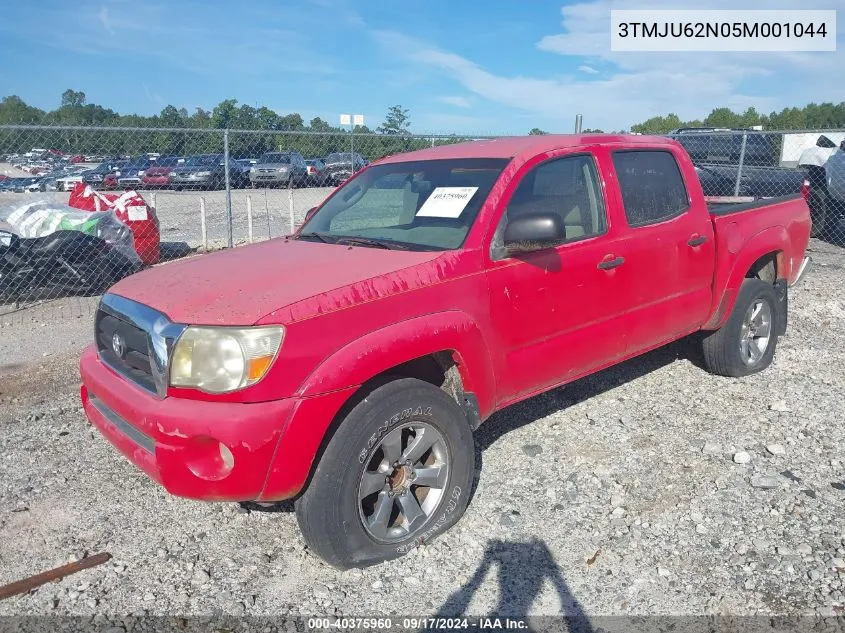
<point>228,185</point>
<point>741,161</point>
<point>290,206</point>
<point>267,213</point>
<point>249,218</point>
<point>203,226</point>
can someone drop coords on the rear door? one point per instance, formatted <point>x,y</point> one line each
<point>669,250</point>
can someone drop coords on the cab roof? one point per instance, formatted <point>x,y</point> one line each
<point>524,146</point>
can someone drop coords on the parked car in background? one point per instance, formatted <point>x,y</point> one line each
<point>109,181</point>
<point>157,176</point>
<point>131,176</point>
<point>69,180</point>
<point>285,169</point>
<point>718,151</point>
<point>341,165</point>
<point>206,171</point>
<point>42,184</point>
<point>94,177</point>
<point>316,172</point>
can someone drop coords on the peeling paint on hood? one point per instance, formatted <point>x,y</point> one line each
<point>284,280</point>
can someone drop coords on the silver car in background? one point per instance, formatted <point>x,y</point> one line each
<point>285,169</point>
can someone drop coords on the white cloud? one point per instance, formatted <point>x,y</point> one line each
<point>460,102</point>
<point>104,19</point>
<point>636,86</point>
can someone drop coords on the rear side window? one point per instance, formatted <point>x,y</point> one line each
<point>651,184</point>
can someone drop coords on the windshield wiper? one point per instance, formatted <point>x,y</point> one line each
<point>368,241</point>
<point>320,236</point>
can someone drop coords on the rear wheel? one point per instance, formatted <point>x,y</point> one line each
<point>746,343</point>
<point>396,473</point>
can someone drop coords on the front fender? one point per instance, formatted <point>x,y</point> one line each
<point>734,260</point>
<point>407,340</point>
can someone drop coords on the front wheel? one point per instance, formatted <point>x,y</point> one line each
<point>397,472</point>
<point>746,343</point>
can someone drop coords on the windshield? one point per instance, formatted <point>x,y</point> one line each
<point>275,158</point>
<point>339,158</point>
<point>431,204</point>
<point>204,160</point>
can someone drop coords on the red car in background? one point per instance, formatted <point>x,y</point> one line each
<point>158,176</point>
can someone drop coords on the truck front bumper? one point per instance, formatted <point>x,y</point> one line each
<point>213,451</point>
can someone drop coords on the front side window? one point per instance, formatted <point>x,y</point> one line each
<point>568,187</point>
<point>430,204</point>
<point>652,187</point>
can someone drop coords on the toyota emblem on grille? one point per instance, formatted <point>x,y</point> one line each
<point>118,345</point>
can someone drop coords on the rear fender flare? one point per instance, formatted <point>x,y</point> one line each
<point>772,240</point>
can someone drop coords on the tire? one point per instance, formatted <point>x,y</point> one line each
<point>331,516</point>
<point>735,349</point>
<point>819,204</point>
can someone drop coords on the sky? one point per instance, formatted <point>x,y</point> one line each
<point>463,66</point>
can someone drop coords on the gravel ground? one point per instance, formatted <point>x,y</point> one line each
<point>650,488</point>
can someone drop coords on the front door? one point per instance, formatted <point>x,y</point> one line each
<point>556,307</point>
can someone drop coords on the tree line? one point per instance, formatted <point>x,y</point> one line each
<point>256,130</point>
<point>267,130</point>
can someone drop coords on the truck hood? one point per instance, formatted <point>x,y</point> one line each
<point>291,278</point>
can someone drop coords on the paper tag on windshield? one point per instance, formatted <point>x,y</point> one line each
<point>447,202</point>
<point>137,212</point>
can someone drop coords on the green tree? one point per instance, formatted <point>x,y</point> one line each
<point>396,122</point>
<point>537,132</point>
<point>73,99</point>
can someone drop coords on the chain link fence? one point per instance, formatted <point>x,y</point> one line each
<point>206,189</point>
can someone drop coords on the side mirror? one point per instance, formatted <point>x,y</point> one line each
<point>534,232</point>
<point>842,146</point>
<point>825,142</point>
<point>309,213</point>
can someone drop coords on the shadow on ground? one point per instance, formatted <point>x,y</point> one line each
<point>522,569</point>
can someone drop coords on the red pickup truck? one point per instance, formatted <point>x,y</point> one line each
<point>347,365</point>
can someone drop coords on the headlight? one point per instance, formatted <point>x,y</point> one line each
<point>141,173</point>
<point>202,174</point>
<point>283,169</point>
<point>223,359</point>
<point>253,169</point>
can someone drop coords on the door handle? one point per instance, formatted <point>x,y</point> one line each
<point>696,240</point>
<point>611,263</point>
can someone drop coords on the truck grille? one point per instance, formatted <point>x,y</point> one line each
<point>136,340</point>
<point>134,361</point>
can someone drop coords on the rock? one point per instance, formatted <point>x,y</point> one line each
<point>711,448</point>
<point>618,513</point>
<point>837,563</point>
<point>663,572</point>
<point>617,501</point>
<point>741,549</point>
<point>200,577</point>
<point>701,529</point>
<point>532,450</point>
<point>776,449</point>
<point>814,574</point>
<point>779,406</point>
<point>506,519</point>
<point>322,592</point>
<point>742,457</point>
<point>804,549</point>
<point>765,482</point>
<point>784,551</point>
<point>411,580</point>
<point>378,584</point>
<point>149,597</point>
